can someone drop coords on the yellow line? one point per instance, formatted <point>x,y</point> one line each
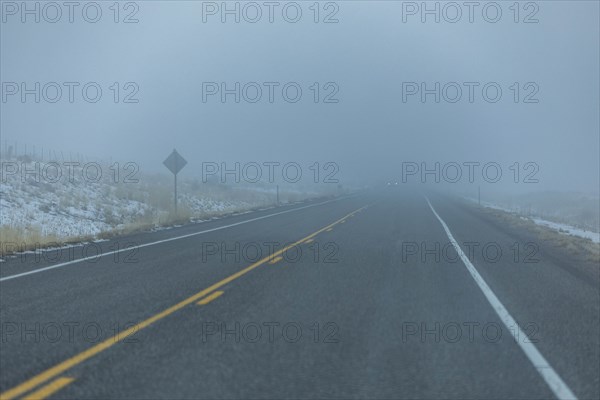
<point>329,230</point>
<point>210,298</point>
<point>98,348</point>
<point>309,240</point>
<point>49,389</point>
<point>276,260</point>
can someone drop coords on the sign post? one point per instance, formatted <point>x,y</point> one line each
<point>175,163</point>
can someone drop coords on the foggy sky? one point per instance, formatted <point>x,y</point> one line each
<point>369,53</point>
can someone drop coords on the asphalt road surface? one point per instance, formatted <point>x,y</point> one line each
<point>360,297</point>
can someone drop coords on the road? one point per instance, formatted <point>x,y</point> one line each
<point>360,297</point>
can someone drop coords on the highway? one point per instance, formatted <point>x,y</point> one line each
<point>364,296</point>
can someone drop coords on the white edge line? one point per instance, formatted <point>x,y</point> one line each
<point>94,257</point>
<point>554,381</point>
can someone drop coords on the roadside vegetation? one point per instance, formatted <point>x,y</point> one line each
<point>36,211</point>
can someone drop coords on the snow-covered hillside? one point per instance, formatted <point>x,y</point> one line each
<point>48,202</point>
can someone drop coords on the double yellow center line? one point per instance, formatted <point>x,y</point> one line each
<point>49,389</point>
<point>100,347</point>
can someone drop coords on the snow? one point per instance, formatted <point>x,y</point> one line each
<point>75,207</point>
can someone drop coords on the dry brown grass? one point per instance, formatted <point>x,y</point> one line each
<point>576,246</point>
<point>14,240</point>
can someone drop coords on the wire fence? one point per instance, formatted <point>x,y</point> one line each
<point>11,150</point>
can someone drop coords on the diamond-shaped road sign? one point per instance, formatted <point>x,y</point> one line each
<point>175,162</point>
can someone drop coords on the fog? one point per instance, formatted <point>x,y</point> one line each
<point>411,187</point>
<point>366,119</point>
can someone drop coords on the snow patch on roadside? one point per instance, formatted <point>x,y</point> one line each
<point>559,227</point>
<point>568,230</point>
